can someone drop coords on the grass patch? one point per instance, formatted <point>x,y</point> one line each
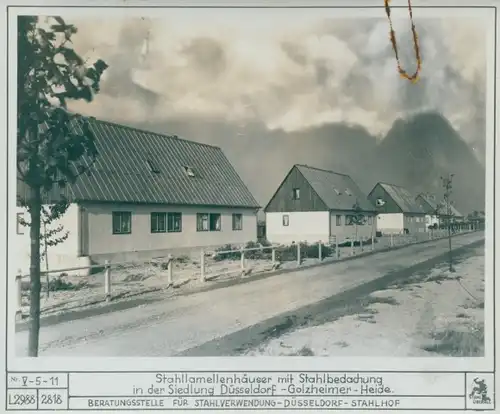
<point>56,284</point>
<point>452,342</point>
<point>442,277</point>
<point>373,300</point>
<point>59,284</point>
<point>304,351</point>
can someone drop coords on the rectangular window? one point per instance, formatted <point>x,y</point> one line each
<point>166,222</point>
<point>208,222</point>
<point>215,222</point>
<point>237,221</point>
<point>296,193</point>
<point>349,220</point>
<point>369,220</point>
<point>202,222</point>
<point>189,171</point>
<point>122,222</point>
<point>152,166</point>
<point>174,222</point>
<point>286,220</point>
<point>338,220</point>
<point>158,222</point>
<point>19,221</point>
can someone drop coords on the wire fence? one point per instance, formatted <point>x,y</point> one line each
<point>111,281</point>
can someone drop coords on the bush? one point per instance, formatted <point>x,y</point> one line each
<point>357,243</point>
<point>258,254</point>
<point>226,255</point>
<point>307,251</point>
<point>59,284</point>
<point>223,253</point>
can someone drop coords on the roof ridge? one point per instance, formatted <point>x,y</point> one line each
<point>321,169</point>
<point>393,185</point>
<point>173,136</point>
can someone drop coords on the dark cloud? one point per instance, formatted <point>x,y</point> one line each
<point>335,70</point>
<point>207,55</point>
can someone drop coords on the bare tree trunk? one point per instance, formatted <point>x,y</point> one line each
<point>449,246</point>
<point>46,255</point>
<point>35,284</point>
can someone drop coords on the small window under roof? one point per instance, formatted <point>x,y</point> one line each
<point>336,191</point>
<point>348,192</point>
<point>189,171</point>
<point>152,166</point>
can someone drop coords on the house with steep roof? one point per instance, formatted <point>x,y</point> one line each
<point>454,213</point>
<point>148,195</point>
<point>312,204</point>
<point>436,211</point>
<point>397,210</point>
<point>431,206</point>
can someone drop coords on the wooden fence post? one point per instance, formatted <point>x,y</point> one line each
<point>298,254</point>
<point>242,258</point>
<point>352,247</point>
<point>107,280</point>
<point>373,243</point>
<point>273,255</point>
<point>320,255</point>
<point>19,295</point>
<point>361,243</point>
<point>392,240</point>
<point>337,251</point>
<point>202,266</point>
<point>170,269</point>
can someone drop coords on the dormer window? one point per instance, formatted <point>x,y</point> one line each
<point>152,166</point>
<point>348,192</point>
<point>336,191</point>
<point>189,171</point>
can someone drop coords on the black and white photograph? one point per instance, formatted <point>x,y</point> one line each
<point>251,182</point>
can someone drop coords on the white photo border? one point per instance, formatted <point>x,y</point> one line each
<point>364,364</point>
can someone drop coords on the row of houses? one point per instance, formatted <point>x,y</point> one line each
<point>149,194</point>
<point>312,204</point>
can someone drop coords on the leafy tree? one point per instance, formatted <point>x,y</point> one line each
<point>50,237</point>
<point>447,183</point>
<point>358,218</point>
<point>54,146</point>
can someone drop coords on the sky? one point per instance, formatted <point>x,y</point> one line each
<point>288,70</point>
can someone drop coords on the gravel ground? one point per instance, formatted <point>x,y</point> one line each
<point>438,313</point>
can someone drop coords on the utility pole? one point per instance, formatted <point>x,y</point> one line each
<point>448,186</point>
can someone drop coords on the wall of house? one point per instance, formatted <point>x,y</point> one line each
<point>310,227</point>
<point>142,244</point>
<point>388,223</point>
<point>345,232</point>
<point>283,200</point>
<point>62,256</point>
<point>415,223</point>
<point>390,207</point>
<point>430,220</point>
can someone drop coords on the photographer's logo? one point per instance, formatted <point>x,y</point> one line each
<point>479,392</point>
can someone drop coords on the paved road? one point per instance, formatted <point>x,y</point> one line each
<point>182,325</point>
